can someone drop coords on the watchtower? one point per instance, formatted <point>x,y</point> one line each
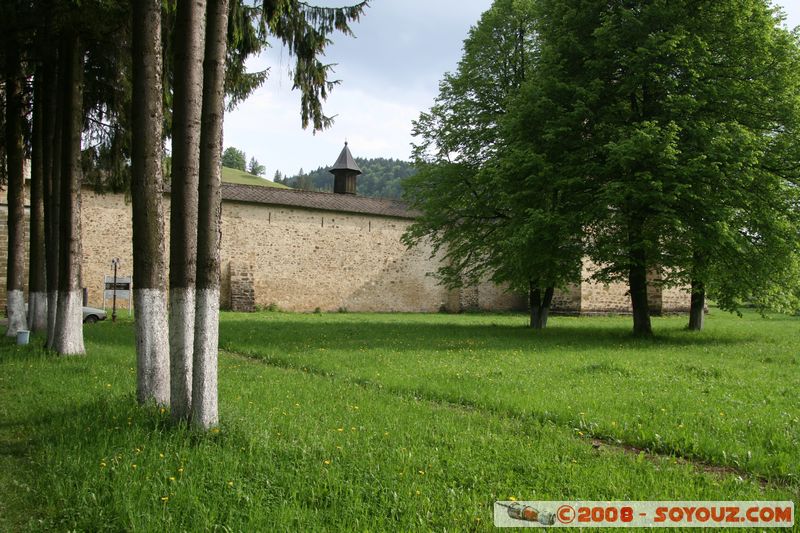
<point>345,171</point>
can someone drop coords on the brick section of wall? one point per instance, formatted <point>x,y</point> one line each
<point>567,301</point>
<point>302,259</point>
<point>493,297</point>
<point>675,300</point>
<point>242,287</point>
<point>4,254</point>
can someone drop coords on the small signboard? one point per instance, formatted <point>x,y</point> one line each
<point>123,288</point>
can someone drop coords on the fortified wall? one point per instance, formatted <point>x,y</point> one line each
<point>303,251</point>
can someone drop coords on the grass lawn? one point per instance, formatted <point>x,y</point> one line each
<point>403,422</point>
<point>233,175</point>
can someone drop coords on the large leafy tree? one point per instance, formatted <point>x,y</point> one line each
<point>689,110</point>
<point>491,205</point>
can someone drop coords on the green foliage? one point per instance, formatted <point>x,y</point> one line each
<point>381,178</point>
<point>492,202</point>
<point>304,29</point>
<point>234,158</point>
<point>255,168</point>
<point>658,138</point>
<point>365,412</point>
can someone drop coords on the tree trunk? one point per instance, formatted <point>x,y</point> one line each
<point>53,119</point>
<point>68,336</point>
<point>697,315</point>
<point>209,222</point>
<point>37,274</point>
<point>15,118</point>
<point>149,261</point>
<point>638,287</point>
<point>187,95</point>
<point>540,306</point>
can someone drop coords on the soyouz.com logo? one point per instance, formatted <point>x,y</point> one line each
<point>643,514</point>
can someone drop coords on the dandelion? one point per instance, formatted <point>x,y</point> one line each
<point>162,410</point>
<point>418,493</point>
<point>133,466</point>
<point>215,430</point>
<point>340,430</point>
<point>385,433</point>
<point>161,455</point>
<point>172,478</point>
<point>180,470</point>
<point>327,461</point>
<point>512,498</point>
<point>580,433</point>
<point>230,483</point>
<point>165,499</point>
<point>102,464</point>
<point>421,472</point>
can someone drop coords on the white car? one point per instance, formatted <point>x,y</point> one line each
<point>92,315</point>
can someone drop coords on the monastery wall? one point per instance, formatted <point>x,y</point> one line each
<point>301,259</point>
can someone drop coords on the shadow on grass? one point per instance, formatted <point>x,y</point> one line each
<point>295,333</point>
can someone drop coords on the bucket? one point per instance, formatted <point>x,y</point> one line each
<point>23,336</point>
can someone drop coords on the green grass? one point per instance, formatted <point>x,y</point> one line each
<point>400,422</point>
<point>233,175</point>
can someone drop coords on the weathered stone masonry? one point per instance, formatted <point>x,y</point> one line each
<point>301,251</point>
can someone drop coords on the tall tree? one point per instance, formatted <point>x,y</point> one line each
<point>15,155</point>
<point>209,222</point>
<point>189,38</point>
<point>149,261</point>
<point>52,183</point>
<point>37,273</point>
<point>491,205</point>
<point>690,165</point>
<point>68,335</point>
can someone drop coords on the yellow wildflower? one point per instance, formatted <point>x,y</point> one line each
<point>165,499</point>
<point>327,461</point>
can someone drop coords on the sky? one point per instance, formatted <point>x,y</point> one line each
<point>389,73</point>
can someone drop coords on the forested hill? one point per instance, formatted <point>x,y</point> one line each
<point>381,178</point>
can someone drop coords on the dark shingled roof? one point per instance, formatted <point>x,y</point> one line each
<point>326,201</point>
<point>345,162</point>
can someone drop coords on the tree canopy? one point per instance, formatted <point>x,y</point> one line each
<point>657,139</point>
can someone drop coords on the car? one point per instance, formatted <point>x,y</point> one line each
<point>92,315</point>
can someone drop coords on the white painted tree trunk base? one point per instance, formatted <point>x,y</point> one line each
<point>52,309</point>
<point>206,343</point>
<point>152,346</point>
<point>37,311</point>
<point>16,313</point>
<point>181,344</point>
<point>68,335</point>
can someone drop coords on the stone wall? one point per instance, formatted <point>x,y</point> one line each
<point>4,253</point>
<point>301,259</point>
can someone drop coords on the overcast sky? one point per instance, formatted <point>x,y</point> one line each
<point>390,73</point>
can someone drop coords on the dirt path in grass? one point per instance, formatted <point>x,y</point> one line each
<point>600,445</point>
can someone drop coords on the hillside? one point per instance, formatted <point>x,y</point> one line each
<point>232,175</point>
<point>381,178</point>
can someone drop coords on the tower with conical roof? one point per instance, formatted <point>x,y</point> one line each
<point>345,171</point>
